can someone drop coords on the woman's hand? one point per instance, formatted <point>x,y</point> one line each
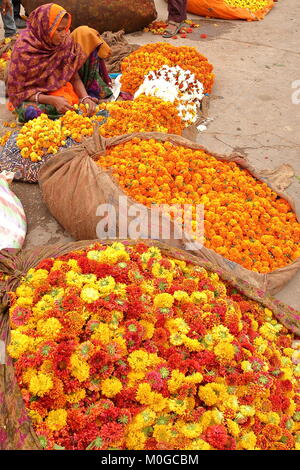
<point>61,104</point>
<point>92,102</point>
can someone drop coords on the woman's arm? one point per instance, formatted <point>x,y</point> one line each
<point>81,92</point>
<point>61,104</point>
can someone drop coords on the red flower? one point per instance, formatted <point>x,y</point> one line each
<point>112,432</point>
<point>217,436</point>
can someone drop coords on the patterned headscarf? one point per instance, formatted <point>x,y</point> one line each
<point>37,65</point>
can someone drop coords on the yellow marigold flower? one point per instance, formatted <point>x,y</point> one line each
<point>24,291</point>
<point>74,279</point>
<point>191,430</point>
<point>233,427</point>
<point>177,339</point>
<point>213,393</point>
<point>248,441</point>
<point>77,396</point>
<point>143,392</point>
<point>287,373</point>
<point>136,440</point>
<point>24,301</point>
<point>148,328</point>
<point>260,344</point>
<point>89,294</point>
<point>106,285</point>
<point>177,324</point>
<point>102,333</point>
<point>176,381</point>
<point>138,360</point>
<point>74,265</point>
<point>148,287</point>
<point>154,360</point>
<point>269,331</point>
<point>57,265</point>
<point>19,344</point>
<point>192,344</point>
<point>198,297</point>
<point>247,410</point>
<point>56,419</point>
<point>195,378</point>
<point>157,402</point>
<point>80,368</point>
<point>35,417</point>
<point>246,366</point>
<point>163,300</point>
<point>221,333</point>
<point>145,418</point>
<point>292,408</point>
<point>181,296</point>
<point>178,406</point>
<point>224,351</point>
<point>49,328</point>
<point>198,444</point>
<point>37,277</point>
<point>40,384</point>
<point>111,387</point>
<point>134,378</point>
<point>162,432</point>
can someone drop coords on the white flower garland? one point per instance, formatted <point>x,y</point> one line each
<point>177,86</point>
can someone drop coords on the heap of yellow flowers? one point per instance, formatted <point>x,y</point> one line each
<point>244,220</point>
<point>252,5</point>
<point>124,347</point>
<point>144,114</point>
<point>154,56</point>
<point>5,138</point>
<point>42,136</point>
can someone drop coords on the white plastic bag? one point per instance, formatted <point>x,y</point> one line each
<point>12,216</point>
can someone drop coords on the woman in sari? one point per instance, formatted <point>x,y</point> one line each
<point>52,69</point>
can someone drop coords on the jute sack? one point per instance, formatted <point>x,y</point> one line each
<point>86,187</point>
<point>16,430</point>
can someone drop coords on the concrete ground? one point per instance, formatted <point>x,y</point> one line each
<point>256,66</point>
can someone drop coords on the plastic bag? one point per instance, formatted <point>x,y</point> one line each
<point>12,216</point>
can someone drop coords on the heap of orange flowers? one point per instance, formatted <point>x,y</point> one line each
<point>245,221</point>
<point>154,56</point>
<point>144,114</point>
<point>5,138</point>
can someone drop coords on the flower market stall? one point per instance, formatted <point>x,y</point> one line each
<point>141,346</point>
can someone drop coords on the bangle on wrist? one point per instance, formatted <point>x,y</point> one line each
<point>84,98</point>
<point>37,97</point>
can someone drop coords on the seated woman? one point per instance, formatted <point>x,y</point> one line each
<point>52,69</point>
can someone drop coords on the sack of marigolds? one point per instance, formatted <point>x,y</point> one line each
<point>104,15</point>
<point>249,10</point>
<point>12,216</point>
<point>99,339</point>
<point>120,184</point>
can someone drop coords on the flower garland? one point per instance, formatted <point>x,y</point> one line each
<point>245,220</point>
<point>123,347</point>
<point>144,114</point>
<point>177,86</point>
<point>154,56</point>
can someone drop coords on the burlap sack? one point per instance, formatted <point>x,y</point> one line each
<point>120,48</point>
<point>16,431</point>
<point>85,186</point>
<point>105,15</point>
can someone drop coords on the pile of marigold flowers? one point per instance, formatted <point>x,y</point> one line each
<point>154,56</point>
<point>5,138</point>
<point>123,347</point>
<point>144,114</point>
<point>244,220</point>
<point>252,5</point>
<point>159,27</point>
<point>42,136</point>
